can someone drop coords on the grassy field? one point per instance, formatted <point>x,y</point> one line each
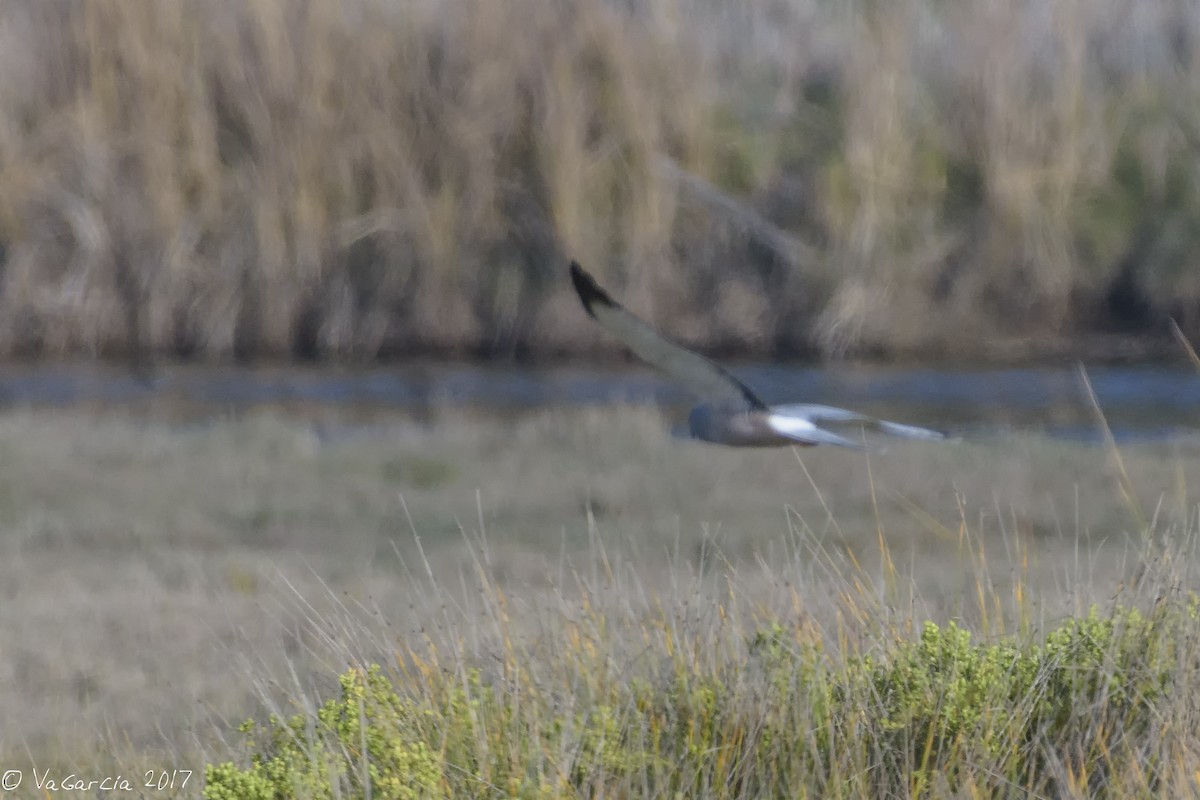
<point>577,605</point>
<point>354,178</point>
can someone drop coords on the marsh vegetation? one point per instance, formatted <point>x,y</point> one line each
<point>571,603</point>
<point>355,178</point>
<point>577,603</point>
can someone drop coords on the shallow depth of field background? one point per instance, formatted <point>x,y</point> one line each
<point>204,187</point>
<point>350,178</point>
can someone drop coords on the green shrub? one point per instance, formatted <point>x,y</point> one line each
<point>942,701</point>
<point>941,714</point>
<point>368,743</point>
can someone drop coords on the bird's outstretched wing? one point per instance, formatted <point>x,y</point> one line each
<point>804,431</point>
<point>701,376</point>
<point>806,421</point>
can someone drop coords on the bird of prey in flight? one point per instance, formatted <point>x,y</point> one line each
<point>732,414</point>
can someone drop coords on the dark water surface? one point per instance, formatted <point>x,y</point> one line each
<point>1139,402</point>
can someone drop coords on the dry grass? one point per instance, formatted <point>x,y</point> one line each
<point>162,584</point>
<point>346,178</point>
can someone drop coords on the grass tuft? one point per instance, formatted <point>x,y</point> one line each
<point>1086,707</point>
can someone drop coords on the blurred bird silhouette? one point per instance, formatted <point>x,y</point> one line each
<point>732,414</point>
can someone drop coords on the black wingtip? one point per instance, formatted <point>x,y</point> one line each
<point>588,290</point>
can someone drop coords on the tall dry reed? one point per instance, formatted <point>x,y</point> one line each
<point>350,178</point>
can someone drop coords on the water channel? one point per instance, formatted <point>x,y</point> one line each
<point>1150,402</point>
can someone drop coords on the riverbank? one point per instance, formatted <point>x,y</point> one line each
<point>346,180</point>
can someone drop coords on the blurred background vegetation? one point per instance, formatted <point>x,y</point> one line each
<point>352,179</point>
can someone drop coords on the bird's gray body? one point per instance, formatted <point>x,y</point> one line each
<point>734,427</point>
<point>735,417</point>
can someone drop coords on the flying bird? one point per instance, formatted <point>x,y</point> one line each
<point>733,414</point>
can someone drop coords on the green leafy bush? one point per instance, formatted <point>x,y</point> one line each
<point>368,742</point>
<point>1080,710</point>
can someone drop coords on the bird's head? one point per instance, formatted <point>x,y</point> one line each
<point>702,424</point>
